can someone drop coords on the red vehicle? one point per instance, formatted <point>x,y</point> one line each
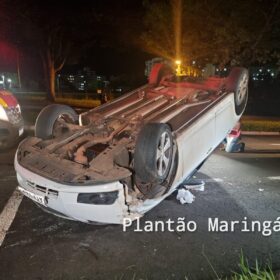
<point>11,121</point>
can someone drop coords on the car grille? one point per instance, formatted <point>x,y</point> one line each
<point>14,114</point>
<point>43,190</point>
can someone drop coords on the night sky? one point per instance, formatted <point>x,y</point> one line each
<point>102,36</point>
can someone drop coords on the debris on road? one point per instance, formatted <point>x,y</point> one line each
<point>196,186</point>
<point>185,196</point>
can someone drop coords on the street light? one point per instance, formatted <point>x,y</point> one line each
<point>178,68</point>
<point>178,62</point>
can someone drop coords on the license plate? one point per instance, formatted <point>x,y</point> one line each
<point>35,197</point>
<point>20,131</point>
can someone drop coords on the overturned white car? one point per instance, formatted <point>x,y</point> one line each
<point>121,159</point>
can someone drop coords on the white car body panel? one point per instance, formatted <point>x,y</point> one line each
<point>66,201</point>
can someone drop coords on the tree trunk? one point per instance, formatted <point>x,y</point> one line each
<point>52,81</point>
<point>51,67</point>
<point>49,73</point>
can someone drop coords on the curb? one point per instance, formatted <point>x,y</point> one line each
<point>264,133</point>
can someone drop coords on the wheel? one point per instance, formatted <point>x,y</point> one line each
<point>237,82</point>
<point>49,122</point>
<point>158,72</point>
<point>153,153</point>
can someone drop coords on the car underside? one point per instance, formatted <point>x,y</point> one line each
<point>136,140</point>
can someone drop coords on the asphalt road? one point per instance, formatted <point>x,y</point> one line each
<point>42,246</point>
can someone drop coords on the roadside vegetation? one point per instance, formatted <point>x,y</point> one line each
<point>83,103</point>
<point>71,101</point>
<point>246,272</point>
<point>260,125</point>
<point>256,273</point>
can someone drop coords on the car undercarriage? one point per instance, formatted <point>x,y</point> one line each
<point>100,150</point>
<point>138,141</point>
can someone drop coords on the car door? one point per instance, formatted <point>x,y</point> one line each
<point>196,143</point>
<point>225,118</point>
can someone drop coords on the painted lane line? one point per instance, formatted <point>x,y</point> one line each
<point>9,212</point>
<point>274,178</point>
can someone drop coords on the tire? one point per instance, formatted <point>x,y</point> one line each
<point>237,82</point>
<point>45,122</point>
<point>158,71</point>
<point>151,163</point>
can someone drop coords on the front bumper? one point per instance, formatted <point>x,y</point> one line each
<point>61,199</point>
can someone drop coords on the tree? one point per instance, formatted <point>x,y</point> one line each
<point>54,55</point>
<point>221,32</point>
<point>51,30</point>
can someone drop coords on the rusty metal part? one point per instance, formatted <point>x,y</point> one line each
<point>80,157</point>
<point>51,148</point>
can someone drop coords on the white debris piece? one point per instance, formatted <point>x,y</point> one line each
<point>196,187</point>
<point>185,196</point>
<point>261,190</point>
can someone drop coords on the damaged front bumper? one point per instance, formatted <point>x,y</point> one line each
<point>102,203</point>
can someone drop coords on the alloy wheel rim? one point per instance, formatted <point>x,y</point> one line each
<point>163,155</point>
<point>242,89</point>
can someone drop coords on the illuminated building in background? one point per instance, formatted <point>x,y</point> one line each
<point>8,80</point>
<point>84,80</point>
<point>259,74</point>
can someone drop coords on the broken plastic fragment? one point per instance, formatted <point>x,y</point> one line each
<point>185,196</point>
<point>197,186</point>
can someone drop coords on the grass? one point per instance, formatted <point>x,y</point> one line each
<point>246,272</point>
<point>83,103</point>
<point>32,97</point>
<point>256,273</point>
<point>68,100</point>
<point>260,125</point>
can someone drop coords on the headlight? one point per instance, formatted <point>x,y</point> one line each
<point>105,198</point>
